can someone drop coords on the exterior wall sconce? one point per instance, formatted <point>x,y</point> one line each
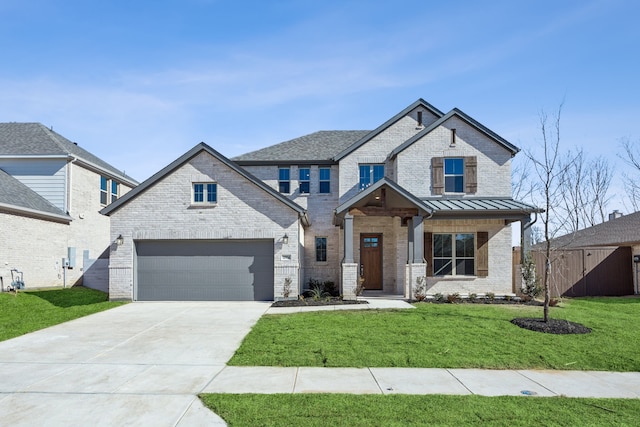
<point>120,240</point>
<point>285,239</point>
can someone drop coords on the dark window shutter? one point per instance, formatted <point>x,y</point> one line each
<point>428,252</point>
<point>482,253</point>
<point>437,175</point>
<point>471,174</point>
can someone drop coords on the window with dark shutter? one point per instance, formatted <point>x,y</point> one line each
<point>482,253</point>
<point>470,174</point>
<point>437,175</point>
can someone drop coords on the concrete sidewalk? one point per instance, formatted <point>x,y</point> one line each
<point>233,379</point>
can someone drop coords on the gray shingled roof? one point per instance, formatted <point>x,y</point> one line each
<point>15,194</point>
<point>161,174</point>
<point>35,139</point>
<point>317,146</point>
<point>623,231</point>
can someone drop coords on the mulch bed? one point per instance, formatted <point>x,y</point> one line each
<point>553,326</point>
<point>311,302</point>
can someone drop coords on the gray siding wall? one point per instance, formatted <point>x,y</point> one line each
<point>46,177</point>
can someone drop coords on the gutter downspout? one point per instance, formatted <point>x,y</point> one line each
<point>525,226</point>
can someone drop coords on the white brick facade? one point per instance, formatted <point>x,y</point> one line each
<point>164,212</point>
<point>37,246</point>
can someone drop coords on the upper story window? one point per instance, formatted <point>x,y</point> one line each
<point>454,254</point>
<point>115,188</point>
<point>370,174</point>
<point>454,175</point>
<point>325,180</point>
<point>104,185</point>
<point>304,179</point>
<point>205,192</point>
<point>284,180</point>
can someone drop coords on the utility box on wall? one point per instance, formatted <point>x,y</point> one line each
<point>71,257</point>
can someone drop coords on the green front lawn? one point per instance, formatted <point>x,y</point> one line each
<point>32,310</point>
<point>409,410</point>
<point>449,336</point>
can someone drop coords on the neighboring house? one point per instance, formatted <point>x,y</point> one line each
<point>426,195</point>
<point>600,260</point>
<point>51,191</point>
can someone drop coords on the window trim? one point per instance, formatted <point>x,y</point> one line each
<point>454,257</point>
<point>324,181</point>
<point>372,180</point>
<point>454,175</point>
<point>104,191</point>
<point>306,181</point>
<point>282,181</point>
<point>206,192</point>
<point>322,251</point>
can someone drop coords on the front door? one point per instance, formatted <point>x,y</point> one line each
<point>371,261</point>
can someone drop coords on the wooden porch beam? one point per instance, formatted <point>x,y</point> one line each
<point>382,211</point>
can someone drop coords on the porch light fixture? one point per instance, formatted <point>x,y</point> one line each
<point>285,239</point>
<point>120,240</point>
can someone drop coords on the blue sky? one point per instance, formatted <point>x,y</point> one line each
<point>138,83</point>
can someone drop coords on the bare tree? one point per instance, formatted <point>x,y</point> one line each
<point>599,179</point>
<point>585,187</point>
<point>631,184</point>
<point>550,171</point>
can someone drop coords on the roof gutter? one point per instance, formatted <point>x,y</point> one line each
<point>36,213</point>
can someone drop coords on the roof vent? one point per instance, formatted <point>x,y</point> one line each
<point>615,214</point>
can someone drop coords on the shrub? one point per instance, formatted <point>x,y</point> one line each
<point>491,296</point>
<point>473,297</point>
<point>420,291</point>
<point>330,288</point>
<point>530,282</point>
<point>286,290</point>
<point>438,297</point>
<point>454,298</point>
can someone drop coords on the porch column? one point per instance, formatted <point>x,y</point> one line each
<point>418,239</point>
<point>410,242</point>
<point>349,267</point>
<point>348,239</point>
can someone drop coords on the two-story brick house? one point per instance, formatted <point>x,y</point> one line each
<point>51,192</point>
<point>424,195</point>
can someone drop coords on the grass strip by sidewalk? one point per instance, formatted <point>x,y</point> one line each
<point>33,310</point>
<point>449,336</point>
<point>411,410</point>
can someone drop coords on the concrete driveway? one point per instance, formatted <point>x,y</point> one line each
<point>139,364</point>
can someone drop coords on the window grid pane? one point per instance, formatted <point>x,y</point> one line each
<point>321,249</point>
<point>458,262</point>
<point>198,193</point>
<point>283,183</point>
<point>454,175</point>
<point>212,193</point>
<point>325,180</point>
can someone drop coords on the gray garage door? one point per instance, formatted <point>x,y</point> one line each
<point>204,270</point>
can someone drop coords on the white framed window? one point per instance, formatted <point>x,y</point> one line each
<point>284,180</point>
<point>104,188</point>
<point>370,174</point>
<point>321,249</point>
<point>454,175</point>
<point>115,190</point>
<point>205,193</point>
<point>454,254</point>
<point>304,179</point>
<point>325,180</point>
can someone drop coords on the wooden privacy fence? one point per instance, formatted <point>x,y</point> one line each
<point>587,271</point>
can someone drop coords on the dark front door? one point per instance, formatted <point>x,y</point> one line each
<point>371,260</point>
